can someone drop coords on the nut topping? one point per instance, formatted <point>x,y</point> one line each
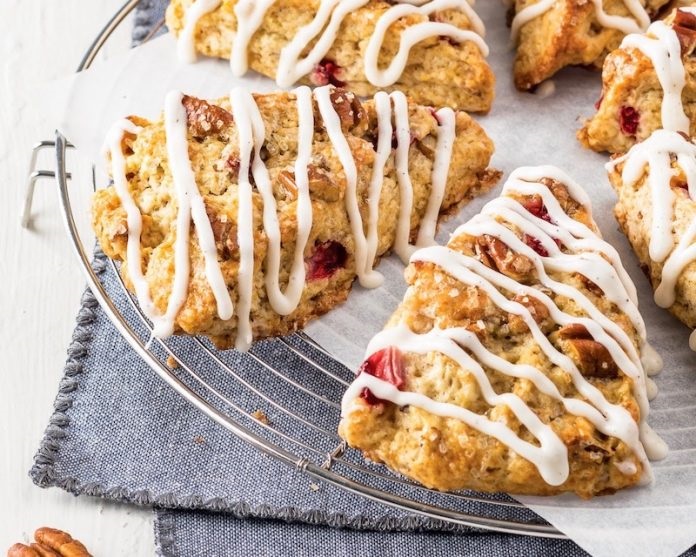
<point>50,543</point>
<point>495,254</point>
<point>205,119</point>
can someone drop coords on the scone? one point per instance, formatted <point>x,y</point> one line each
<point>245,217</point>
<point>656,185</point>
<point>513,363</point>
<point>433,51</point>
<point>647,84</point>
<point>553,34</point>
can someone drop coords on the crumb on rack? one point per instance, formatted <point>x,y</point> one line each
<point>199,439</point>
<point>260,415</point>
<point>314,487</point>
<point>172,362</point>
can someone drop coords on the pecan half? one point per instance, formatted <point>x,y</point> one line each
<point>349,109</point>
<point>495,254</point>
<point>286,185</point>
<point>205,119</point>
<point>538,310</point>
<point>50,543</point>
<point>684,26</point>
<point>225,234</point>
<point>592,358</point>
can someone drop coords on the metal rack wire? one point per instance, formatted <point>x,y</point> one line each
<point>230,387</point>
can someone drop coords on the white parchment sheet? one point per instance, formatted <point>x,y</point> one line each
<point>659,520</point>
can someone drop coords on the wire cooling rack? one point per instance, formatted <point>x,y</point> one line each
<point>231,387</point>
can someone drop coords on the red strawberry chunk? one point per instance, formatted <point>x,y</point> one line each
<point>536,245</point>
<point>387,365</point>
<point>325,73</point>
<point>328,257</point>
<point>535,205</point>
<point>629,119</point>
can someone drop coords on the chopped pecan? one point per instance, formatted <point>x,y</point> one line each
<point>590,285</point>
<point>50,543</point>
<point>349,109</point>
<point>574,330</point>
<point>205,119</point>
<point>684,26</point>
<point>321,186</point>
<point>495,254</point>
<point>592,358</point>
<point>225,234</point>
<point>286,185</point>
<point>538,310</point>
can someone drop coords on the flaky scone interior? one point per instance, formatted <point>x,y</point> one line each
<point>656,210</point>
<point>245,217</point>
<point>513,363</point>
<point>648,83</point>
<point>553,34</point>
<point>433,50</point>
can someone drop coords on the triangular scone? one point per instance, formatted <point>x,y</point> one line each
<point>553,34</point>
<point>276,226</point>
<point>433,52</point>
<point>633,103</point>
<point>513,363</point>
<point>656,185</point>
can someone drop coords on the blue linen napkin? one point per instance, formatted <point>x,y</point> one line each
<point>121,433</point>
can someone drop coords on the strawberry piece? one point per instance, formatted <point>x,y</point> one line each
<point>325,73</point>
<point>629,119</point>
<point>536,245</point>
<point>328,257</point>
<point>535,205</point>
<point>387,365</point>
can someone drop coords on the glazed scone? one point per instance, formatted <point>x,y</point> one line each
<point>553,34</point>
<point>513,363</point>
<point>434,52</point>
<point>319,187</point>
<point>656,186</point>
<point>633,103</point>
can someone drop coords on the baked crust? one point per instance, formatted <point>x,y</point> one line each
<point>213,149</point>
<point>439,72</point>
<point>569,34</point>
<point>630,83</point>
<point>445,453</point>
<point>634,213</point>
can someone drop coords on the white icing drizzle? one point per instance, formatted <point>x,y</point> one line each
<point>323,30</point>
<point>412,36</point>
<point>114,150</point>
<point>284,304</point>
<point>252,135</point>
<point>664,51</point>
<point>636,23</point>
<point>190,206</point>
<point>186,46</point>
<point>654,158</point>
<point>587,254</point>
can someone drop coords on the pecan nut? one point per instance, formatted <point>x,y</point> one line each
<point>349,109</point>
<point>205,119</point>
<point>538,310</point>
<point>50,543</point>
<point>495,254</point>
<point>684,26</point>
<point>224,233</point>
<point>592,358</point>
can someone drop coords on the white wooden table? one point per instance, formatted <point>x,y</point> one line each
<point>40,283</point>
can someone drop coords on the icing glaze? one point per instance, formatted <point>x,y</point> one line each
<point>322,31</point>
<point>585,253</point>
<point>392,113</point>
<point>636,23</point>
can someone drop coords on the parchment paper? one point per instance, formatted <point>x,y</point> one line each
<point>659,520</point>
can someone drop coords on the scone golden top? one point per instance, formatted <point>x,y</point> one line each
<point>656,185</point>
<point>647,84</point>
<point>514,361</point>
<point>243,218</point>
<point>434,51</point>
<point>553,34</point>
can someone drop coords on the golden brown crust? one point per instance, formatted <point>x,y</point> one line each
<point>445,453</point>
<point>629,109</point>
<point>213,150</point>
<point>438,73</point>
<point>633,212</point>
<point>569,34</point>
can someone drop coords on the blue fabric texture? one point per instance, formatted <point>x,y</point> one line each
<point>120,432</point>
